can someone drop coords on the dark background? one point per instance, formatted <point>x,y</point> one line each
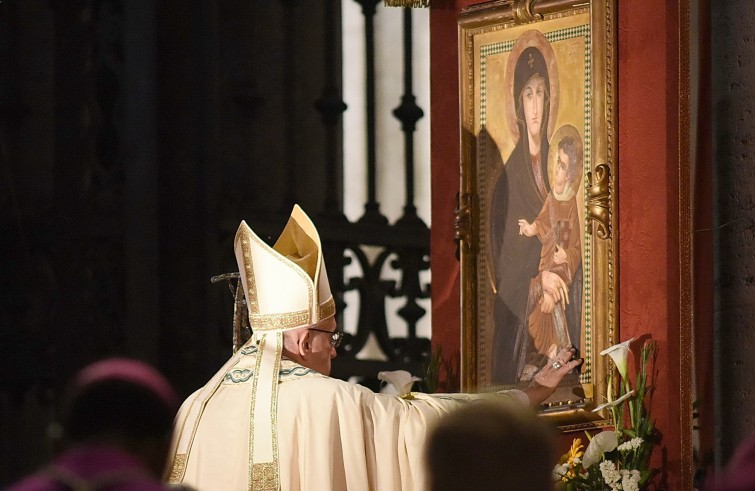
<point>134,136</point>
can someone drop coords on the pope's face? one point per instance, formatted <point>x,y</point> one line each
<point>321,350</point>
<point>533,101</point>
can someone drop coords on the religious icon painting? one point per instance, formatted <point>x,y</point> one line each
<point>538,169</point>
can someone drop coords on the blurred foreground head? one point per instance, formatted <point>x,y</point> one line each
<point>739,473</point>
<point>486,446</point>
<point>124,403</point>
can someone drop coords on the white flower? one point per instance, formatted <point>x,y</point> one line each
<point>619,353</point>
<point>615,402</point>
<point>607,467</point>
<point>632,444</point>
<point>610,475</point>
<point>601,443</point>
<point>630,480</point>
<point>400,382</point>
<point>560,471</point>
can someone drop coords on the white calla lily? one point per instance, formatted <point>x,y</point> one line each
<point>619,353</point>
<point>615,402</point>
<point>601,443</point>
<point>401,381</point>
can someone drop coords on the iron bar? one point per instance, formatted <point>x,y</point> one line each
<point>372,207</point>
<point>408,113</point>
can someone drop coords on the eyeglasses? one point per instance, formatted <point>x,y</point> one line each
<point>336,337</point>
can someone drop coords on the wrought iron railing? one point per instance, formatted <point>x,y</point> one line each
<point>372,243</point>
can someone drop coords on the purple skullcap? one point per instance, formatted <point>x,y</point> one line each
<point>127,370</point>
<point>739,474</point>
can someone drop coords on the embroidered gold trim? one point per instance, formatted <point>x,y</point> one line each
<point>249,270</point>
<point>274,411</point>
<point>290,320</point>
<point>265,477</point>
<point>255,383</point>
<point>328,309</point>
<point>177,471</point>
<point>271,322</point>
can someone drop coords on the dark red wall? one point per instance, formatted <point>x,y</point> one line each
<point>648,197</point>
<point>444,154</point>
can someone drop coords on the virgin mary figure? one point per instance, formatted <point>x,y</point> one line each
<point>519,192</point>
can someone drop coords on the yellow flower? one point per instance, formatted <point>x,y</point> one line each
<point>575,452</point>
<point>569,460</point>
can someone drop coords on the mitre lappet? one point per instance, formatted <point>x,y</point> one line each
<point>285,287</point>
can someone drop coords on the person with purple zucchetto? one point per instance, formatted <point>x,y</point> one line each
<point>117,428</point>
<point>739,473</point>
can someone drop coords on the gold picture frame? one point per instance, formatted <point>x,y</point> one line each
<point>536,229</point>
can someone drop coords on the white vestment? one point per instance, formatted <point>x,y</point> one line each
<point>331,434</point>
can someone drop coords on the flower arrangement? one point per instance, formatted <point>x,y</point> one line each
<point>616,459</point>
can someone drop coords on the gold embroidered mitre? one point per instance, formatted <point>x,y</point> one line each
<point>286,287</point>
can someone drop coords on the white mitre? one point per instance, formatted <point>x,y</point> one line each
<point>286,287</point>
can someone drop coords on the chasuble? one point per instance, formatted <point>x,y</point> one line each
<point>331,434</point>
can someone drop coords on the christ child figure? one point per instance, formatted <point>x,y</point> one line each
<point>557,227</point>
